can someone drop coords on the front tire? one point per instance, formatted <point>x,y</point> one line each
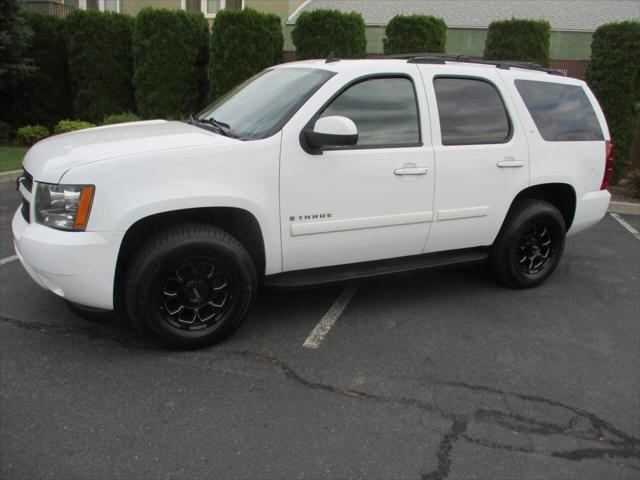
<point>529,245</point>
<point>190,286</point>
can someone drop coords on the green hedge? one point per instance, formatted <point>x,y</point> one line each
<point>30,134</point>
<point>518,39</point>
<point>99,46</point>
<point>415,34</point>
<point>243,42</point>
<point>66,126</point>
<point>44,98</point>
<point>120,118</point>
<point>5,132</point>
<point>614,77</point>
<point>319,32</point>
<point>171,55</point>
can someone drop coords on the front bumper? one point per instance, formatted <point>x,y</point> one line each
<point>78,266</point>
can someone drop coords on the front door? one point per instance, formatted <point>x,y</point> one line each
<point>369,201</point>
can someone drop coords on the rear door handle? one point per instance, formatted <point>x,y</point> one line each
<point>510,162</point>
<point>413,170</point>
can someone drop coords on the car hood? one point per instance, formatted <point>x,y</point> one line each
<point>48,160</point>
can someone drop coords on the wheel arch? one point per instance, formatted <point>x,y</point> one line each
<point>240,223</point>
<point>560,195</point>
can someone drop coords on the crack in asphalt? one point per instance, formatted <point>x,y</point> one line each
<point>616,443</point>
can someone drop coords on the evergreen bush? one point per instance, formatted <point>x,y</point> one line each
<point>243,42</point>
<point>319,32</point>
<point>415,34</point>
<point>614,77</point>
<point>100,66</point>
<point>519,39</point>
<point>171,55</point>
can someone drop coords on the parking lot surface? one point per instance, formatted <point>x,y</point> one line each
<point>441,374</point>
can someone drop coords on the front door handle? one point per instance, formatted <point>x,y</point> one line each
<point>510,162</point>
<point>411,170</point>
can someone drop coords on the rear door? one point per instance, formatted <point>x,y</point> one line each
<point>481,155</point>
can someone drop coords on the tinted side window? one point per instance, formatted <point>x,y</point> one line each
<point>383,109</point>
<point>471,112</point>
<point>562,113</point>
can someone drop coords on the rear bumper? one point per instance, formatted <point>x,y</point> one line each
<point>78,266</point>
<point>590,209</point>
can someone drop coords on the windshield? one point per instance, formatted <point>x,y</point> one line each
<point>260,106</point>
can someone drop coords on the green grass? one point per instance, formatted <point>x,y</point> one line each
<point>11,158</point>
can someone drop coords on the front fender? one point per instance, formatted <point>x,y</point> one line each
<point>241,175</point>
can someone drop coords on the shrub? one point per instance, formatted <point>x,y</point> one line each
<point>415,33</point>
<point>43,98</point>
<point>171,54</point>
<point>243,42</point>
<point>100,65</point>
<point>30,134</point>
<point>65,126</point>
<point>319,32</point>
<point>518,39</point>
<point>614,76</point>
<point>15,65</point>
<point>5,132</point>
<point>120,118</point>
<point>634,182</point>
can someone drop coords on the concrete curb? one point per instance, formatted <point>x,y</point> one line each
<point>626,208</point>
<point>9,176</point>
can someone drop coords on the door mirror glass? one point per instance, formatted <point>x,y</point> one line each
<point>333,131</point>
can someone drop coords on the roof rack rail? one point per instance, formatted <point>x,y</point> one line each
<point>332,57</point>
<point>441,58</point>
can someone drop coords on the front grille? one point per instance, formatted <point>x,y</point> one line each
<point>27,182</point>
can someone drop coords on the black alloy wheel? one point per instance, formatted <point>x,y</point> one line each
<point>529,245</point>
<point>196,293</point>
<point>190,286</point>
<point>535,249</point>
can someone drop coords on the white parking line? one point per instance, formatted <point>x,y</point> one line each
<point>8,259</point>
<point>623,222</point>
<point>330,318</point>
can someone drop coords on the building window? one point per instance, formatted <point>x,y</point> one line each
<point>102,5</point>
<point>210,7</point>
<point>191,5</point>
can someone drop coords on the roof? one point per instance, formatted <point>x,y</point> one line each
<point>565,15</point>
<point>390,65</point>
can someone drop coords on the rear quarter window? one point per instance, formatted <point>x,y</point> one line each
<point>562,113</point>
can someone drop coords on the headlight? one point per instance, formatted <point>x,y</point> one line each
<point>65,207</point>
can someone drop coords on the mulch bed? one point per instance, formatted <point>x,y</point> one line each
<point>623,194</point>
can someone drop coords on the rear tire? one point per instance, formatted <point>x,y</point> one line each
<point>190,286</point>
<point>529,245</point>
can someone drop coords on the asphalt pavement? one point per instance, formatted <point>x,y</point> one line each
<point>434,375</point>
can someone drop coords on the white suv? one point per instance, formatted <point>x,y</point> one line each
<point>311,173</point>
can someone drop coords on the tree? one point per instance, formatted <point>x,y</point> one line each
<point>15,66</point>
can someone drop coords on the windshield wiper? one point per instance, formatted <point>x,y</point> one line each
<point>219,126</point>
<point>224,128</point>
<point>218,123</point>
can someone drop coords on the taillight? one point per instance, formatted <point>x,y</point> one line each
<point>608,165</point>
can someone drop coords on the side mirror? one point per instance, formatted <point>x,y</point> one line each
<point>334,131</point>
